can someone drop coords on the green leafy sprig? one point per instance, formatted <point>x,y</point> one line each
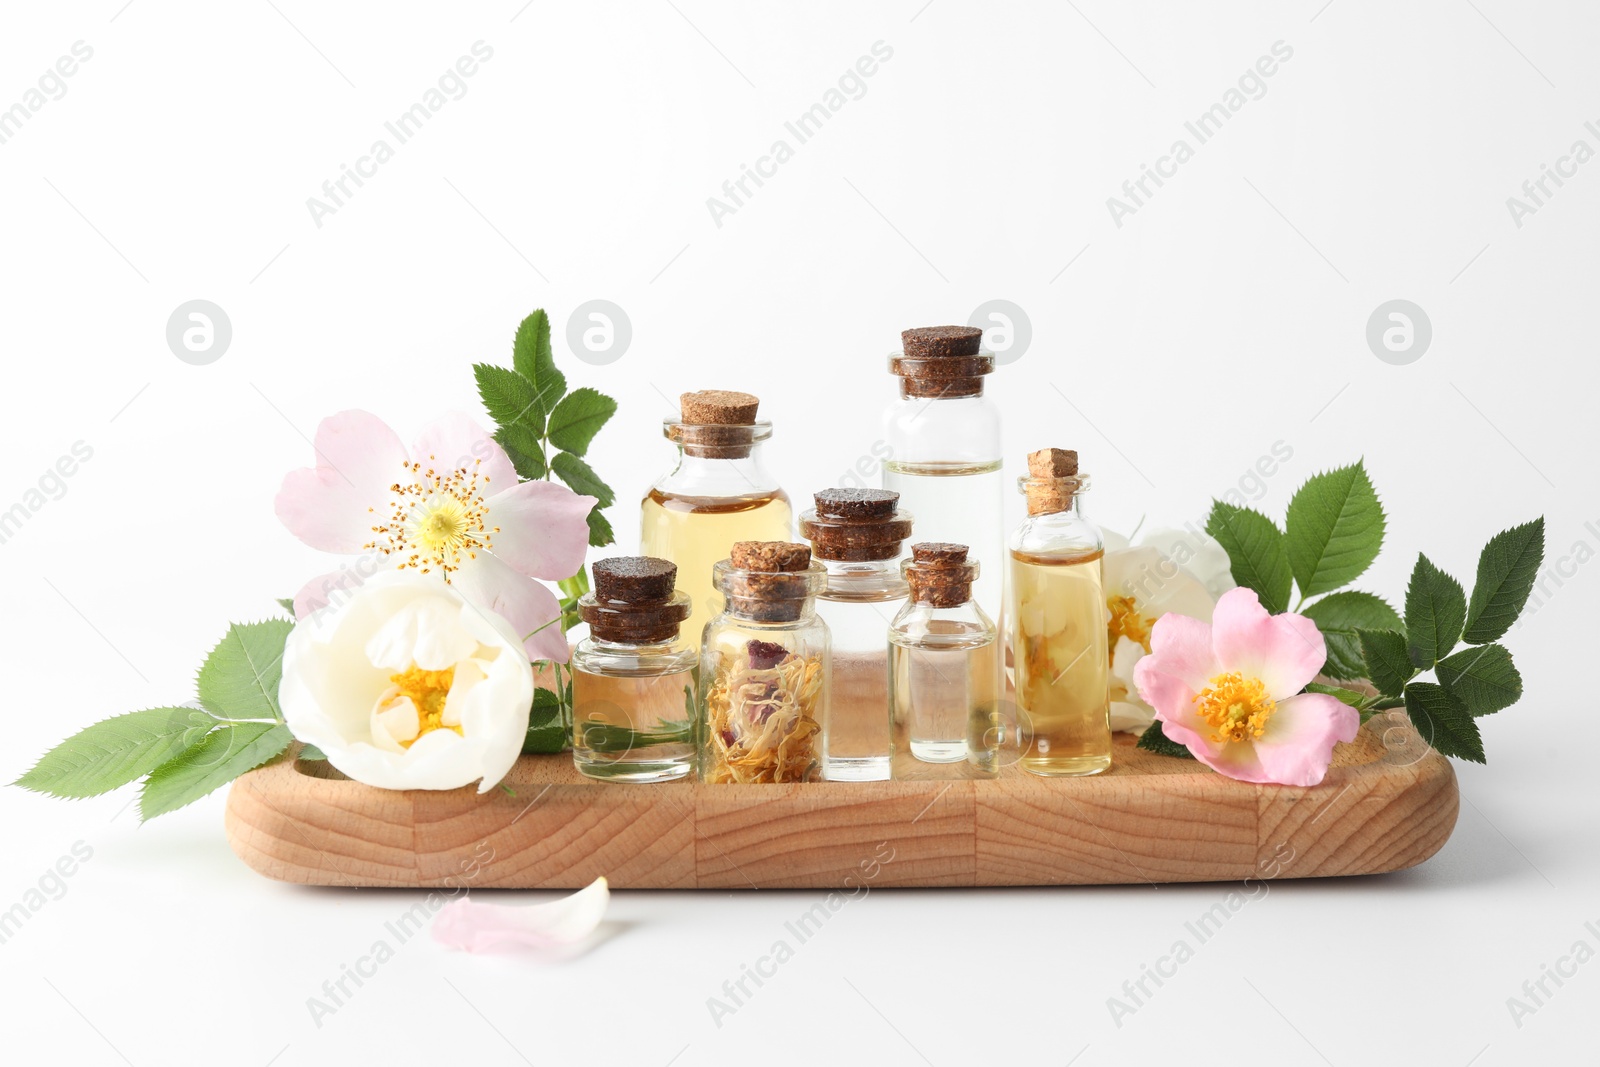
<point>184,752</point>
<point>1333,531</point>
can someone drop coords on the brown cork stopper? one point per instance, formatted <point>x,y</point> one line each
<point>635,579</point>
<point>1052,480</point>
<point>718,407</point>
<point>855,525</point>
<point>939,574</point>
<point>634,601</point>
<point>941,361</point>
<point>770,556</point>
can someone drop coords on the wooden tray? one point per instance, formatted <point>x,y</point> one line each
<point>1389,802</point>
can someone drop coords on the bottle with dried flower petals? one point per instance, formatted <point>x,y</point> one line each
<point>764,668</point>
<point>944,671</point>
<point>633,685</point>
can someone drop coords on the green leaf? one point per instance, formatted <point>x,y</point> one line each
<point>1343,696</point>
<point>1335,529</point>
<point>533,359</point>
<point>239,680</point>
<point>115,751</point>
<point>310,752</point>
<point>1443,721</point>
<point>528,460</point>
<point>1484,679</point>
<point>600,532</point>
<point>1436,606</point>
<point>1153,740</point>
<point>578,417</point>
<point>1506,572</point>
<point>222,756</point>
<point>547,730</point>
<point>581,478</point>
<point>1256,552</point>
<point>1339,616</point>
<point>513,402</point>
<point>1388,665</point>
<point>287,604</point>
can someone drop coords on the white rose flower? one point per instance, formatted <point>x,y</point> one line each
<point>1182,571</point>
<point>406,685</point>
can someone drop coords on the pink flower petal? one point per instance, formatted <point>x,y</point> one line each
<point>326,506</point>
<point>473,927</point>
<point>1181,647</point>
<point>1298,743</point>
<point>1238,760</point>
<point>1284,651</point>
<point>521,601</point>
<point>456,442</point>
<point>544,529</point>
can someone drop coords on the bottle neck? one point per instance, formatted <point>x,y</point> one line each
<point>850,579</point>
<point>940,388</point>
<point>732,476</point>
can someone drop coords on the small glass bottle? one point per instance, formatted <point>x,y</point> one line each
<point>856,534</point>
<point>1056,621</point>
<point>764,668</point>
<point>944,671</point>
<point>718,493</point>
<point>633,682</point>
<point>944,445</point>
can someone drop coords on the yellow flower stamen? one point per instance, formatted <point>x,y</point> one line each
<point>437,519</point>
<point>427,690</point>
<point>1235,707</point>
<point>1127,621</point>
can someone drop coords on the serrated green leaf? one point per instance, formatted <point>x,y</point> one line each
<point>1154,740</point>
<point>600,532</point>
<point>239,679</point>
<point>311,752</point>
<point>547,730</point>
<point>1334,528</point>
<point>578,417</point>
<point>1257,555</point>
<point>1343,696</point>
<point>1506,572</point>
<point>1436,606</point>
<point>581,478</point>
<point>532,357</point>
<point>515,403</point>
<point>287,604</point>
<point>115,751</point>
<point>223,755</point>
<point>1388,664</point>
<point>527,458</point>
<point>1339,616</point>
<point>1443,721</point>
<point>1484,679</point>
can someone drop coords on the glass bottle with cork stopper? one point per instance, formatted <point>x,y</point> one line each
<point>944,671</point>
<point>944,446</point>
<point>718,493</point>
<point>764,668</point>
<point>633,682</point>
<point>856,535</point>
<point>1056,619</point>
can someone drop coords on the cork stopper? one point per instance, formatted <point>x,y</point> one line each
<point>769,581</point>
<point>718,423</point>
<point>941,361</point>
<point>634,601</point>
<point>855,525</point>
<point>1052,480</point>
<point>939,574</point>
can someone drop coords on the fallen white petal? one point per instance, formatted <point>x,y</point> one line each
<point>473,927</point>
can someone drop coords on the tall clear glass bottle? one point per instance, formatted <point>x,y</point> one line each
<point>718,493</point>
<point>633,683</point>
<point>1056,621</point>
<point>856,535</point>
<point>945,456</point>
<point>764,668</point>
<point>944,672</point>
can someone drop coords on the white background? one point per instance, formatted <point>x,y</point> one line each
<point>1227,314</point>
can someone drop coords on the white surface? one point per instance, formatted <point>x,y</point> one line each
<point>976,166</point>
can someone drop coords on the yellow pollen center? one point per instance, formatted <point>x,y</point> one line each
<point>437,520</point>
<point>1235,707</point>
<point>1127,621</point>
<point>427,690</point>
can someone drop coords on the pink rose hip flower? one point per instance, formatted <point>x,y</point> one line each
<point>1230,692</point>
<point>451,506</point>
